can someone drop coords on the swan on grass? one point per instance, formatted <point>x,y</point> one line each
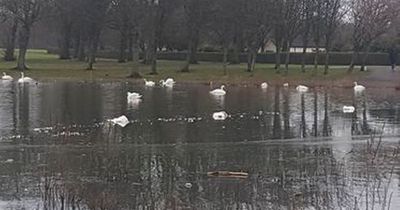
<point>24,79</point>
<point>168,82</point>
<point>302,89</point>
<point>220,116</point>
<point>349,109</point>
<point>149,83</point>
<point>121,121</point>
<point>358,88</point>
<point>219,91</point>
<point>264,85</point>
<point>6,77</point>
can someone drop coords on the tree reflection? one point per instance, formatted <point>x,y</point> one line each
<point>277,130</point>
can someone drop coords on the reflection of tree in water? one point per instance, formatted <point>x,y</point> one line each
<point>326,128</point>
<point>357,127</point>
<point>303,125</point>
<point>286,114</point>
<point>277,129</point>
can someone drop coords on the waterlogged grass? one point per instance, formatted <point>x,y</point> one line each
<point>45,66</point>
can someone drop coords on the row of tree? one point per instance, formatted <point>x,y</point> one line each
<point>235,26</point>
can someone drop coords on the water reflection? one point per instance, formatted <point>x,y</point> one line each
<point>68,157</point>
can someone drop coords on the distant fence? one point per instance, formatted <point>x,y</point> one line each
<point>336,58</point>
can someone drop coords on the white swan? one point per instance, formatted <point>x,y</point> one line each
<point>349,109</point>
<point>168,83</point>
<point>219,91</point>
<point>358,88</point>
<point>121,121</point>
<point>6,77</point>
<point>220,116</point>
<point>149,83</point>
<point>286,85</point>
<point>24,79</point>
<point>302,88</point>
<point>133,96</point>
<point>264,85</point>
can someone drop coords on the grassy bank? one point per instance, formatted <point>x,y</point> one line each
<point>45,66</point>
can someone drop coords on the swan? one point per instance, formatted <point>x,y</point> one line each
<point>302,88</point>
<point>219,91</point>
<point>358,88</point>
<point>348,109</point>
<point>24,79</point>
<point>264,85</point>
<point>6,77</point>
<point>168,83</point>
<point>133,96</point>
<point>286,85</point>
<point>220,116</point>
<point>149,83</point>
<point>121,121</point>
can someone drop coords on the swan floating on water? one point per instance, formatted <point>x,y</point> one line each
<point>24,79</point>
<point>220,116</point>
<point>133,96</point>
<point>264,85</point>
<point>358,88</point>
<point>219,91</point>
<point>6,77</point>
<point>149,83</point>
<point>349,109</point>
<point>168,83</point>
<point>302,89</point>
<point>286,85</point>
<point>121,121</point>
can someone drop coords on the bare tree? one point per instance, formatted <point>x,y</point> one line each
<point>333,13</point>
<point>308,9</point>
<point>195,13</point>
<point>95,12</point>
<point>256,28</point>
<point>292,25</point>
<point>10,38</point>
<point>317,30</point>
<point>278,23</point>
<point>27,13</point>
<point>372,18</point>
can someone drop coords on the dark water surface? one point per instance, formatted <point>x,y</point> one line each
<point>57,150</point>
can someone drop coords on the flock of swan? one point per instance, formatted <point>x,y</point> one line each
<point>21,80</point>
<point>136,98</point>
<point>133,97</point>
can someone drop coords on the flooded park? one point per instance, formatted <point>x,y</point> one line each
<point>58,149</point>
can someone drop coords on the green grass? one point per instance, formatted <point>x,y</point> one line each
<point>47,66</point>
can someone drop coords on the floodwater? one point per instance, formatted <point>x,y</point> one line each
<point>58,151</point>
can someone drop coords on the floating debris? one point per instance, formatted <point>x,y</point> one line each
<point>188,185</point>
<point>220,116</point>
<point>349,109</point>
<point>121,121</point>
<point>228,174</point>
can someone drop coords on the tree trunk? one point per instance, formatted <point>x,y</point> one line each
<point>77,44</point>
<point>10,44</point>
<point>193,48</point>
<point>365,57</point>
<point>316,58</point>
<point>130,48</point>
<point>353,60</point>
<point>225,59</point>
<point>93,45</point>
<point>135,54</point>
<point>186,67</point>
<point>65,41</point>
<point>24,36</point>
<point>287,61</point>
<point>154,59</point>
<point>327,55</point>
<point>122,46</point>
<point>82,49</point>
<point>278,57</point>
<point>235,58</point>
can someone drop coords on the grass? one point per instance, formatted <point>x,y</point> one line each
<point>44,66</point>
